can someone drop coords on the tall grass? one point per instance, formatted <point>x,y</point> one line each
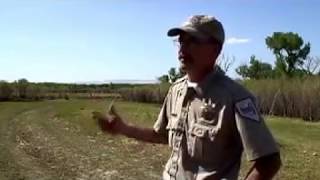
<point>279,97</point>
<point>147,93</point>
<point>298,97</point>
<point>288,97</point>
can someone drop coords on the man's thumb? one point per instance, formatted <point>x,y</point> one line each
<point>113,111</point>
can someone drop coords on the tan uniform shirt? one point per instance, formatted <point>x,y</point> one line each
<point>209,126</point>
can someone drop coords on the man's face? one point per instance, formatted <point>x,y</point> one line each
<point>196,55</point>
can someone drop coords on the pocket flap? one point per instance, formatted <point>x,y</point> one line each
<point>199,130</point>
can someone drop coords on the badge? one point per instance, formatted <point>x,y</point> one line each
<point>247,109</point>
<point>207,110</point>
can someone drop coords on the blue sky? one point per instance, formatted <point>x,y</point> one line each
<point>96,40</point>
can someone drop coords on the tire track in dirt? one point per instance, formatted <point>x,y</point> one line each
<point>50,141</point>
<point>39,152</point>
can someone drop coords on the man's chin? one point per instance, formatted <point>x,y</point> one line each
<point>185,67</point>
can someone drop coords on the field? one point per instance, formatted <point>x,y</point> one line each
<point>57,139</point>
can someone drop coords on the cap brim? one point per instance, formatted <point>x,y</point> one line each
<point>177,31</point>
<point>174,32</point>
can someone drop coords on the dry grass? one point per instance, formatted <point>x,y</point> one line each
<point>59,140</point>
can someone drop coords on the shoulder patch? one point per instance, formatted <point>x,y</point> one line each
<point>247,109</point>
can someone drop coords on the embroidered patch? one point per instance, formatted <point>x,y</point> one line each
<point>247,109</point>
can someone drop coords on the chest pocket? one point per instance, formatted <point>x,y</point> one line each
<point>203,142</point>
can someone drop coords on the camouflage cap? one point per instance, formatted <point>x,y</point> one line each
<point>201,26</point>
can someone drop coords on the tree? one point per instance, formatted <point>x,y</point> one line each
<point>22,86</point>
<point>172,75</point>
<point>33,91</point>
<point>164,78</point>
<point>290,52</point>
<point>5,90</point>
<point>256,69</point>
<point>311,65</point>
<point>225,62</point>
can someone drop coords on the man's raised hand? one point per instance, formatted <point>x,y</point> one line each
<point>109,122</point>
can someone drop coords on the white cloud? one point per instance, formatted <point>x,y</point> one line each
<point>234,40</point>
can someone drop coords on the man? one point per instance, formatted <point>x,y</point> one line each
<point>207,119</point>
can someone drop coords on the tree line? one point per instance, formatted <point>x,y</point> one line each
<point>291,59</point>
<point>22,89</point>
<point>289,87</point>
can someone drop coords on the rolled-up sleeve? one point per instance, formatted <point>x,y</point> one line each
<point>163,117</point>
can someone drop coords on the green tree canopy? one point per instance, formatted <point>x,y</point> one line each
<point>5,90</point>
<point>256,69</point>
<point>290,52</point>
<point>22,85</point>
<point>172,75</point>
<point>164,78</point>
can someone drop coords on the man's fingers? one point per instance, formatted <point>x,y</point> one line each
<point>110,105</point>
<point>98,116</point>
<point>113,111</point>
<point>95,115</point>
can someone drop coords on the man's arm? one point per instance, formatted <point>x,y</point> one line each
<point>113,123</point>
<point>143,134</point>
<point>257,140</point>
<point>265,168</point>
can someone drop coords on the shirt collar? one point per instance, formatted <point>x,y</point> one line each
<point>203,85</point>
